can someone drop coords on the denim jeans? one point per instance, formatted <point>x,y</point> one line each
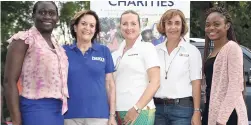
<point>173,114</point>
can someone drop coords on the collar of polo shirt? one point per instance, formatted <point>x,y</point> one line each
<point>94,46</point>
<point>181,44</point>
<point>123,44</point>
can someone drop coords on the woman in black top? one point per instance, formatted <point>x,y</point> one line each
<point>209,62</point>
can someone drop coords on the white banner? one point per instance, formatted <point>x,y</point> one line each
<point>150,13</point>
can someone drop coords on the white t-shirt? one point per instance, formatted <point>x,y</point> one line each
<point>186,66</point>
<point>131,76</point>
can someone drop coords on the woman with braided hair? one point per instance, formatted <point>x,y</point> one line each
<point>223,69</point>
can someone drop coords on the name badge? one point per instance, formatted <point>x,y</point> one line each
<point>184,54</point>
<point>135,54</point>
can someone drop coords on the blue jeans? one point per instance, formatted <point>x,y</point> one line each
<point>173,114</point>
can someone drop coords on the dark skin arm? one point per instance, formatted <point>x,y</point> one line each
<point>13,65</point>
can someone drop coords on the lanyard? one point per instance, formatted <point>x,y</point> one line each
<point>166,70</point>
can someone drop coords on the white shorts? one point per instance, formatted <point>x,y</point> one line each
<point>86,121</point>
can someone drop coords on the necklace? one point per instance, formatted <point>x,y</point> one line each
<point>166,70</point>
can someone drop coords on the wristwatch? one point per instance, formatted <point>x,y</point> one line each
<point>112,115</point>
<point>197,110</point>
<point>137,109</point>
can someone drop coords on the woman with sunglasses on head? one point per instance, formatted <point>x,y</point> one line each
<point>136,75</point>
<point>223,70</point>
<point>178,98</point>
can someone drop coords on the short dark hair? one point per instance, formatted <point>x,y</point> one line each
<point>36,4</point>
<point>77,18</point>
<point>132,12</point>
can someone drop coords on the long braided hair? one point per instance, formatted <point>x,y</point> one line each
<point>230,36</point>
<point>230,32</point>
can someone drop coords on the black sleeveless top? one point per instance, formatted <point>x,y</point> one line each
<point>208,70</point>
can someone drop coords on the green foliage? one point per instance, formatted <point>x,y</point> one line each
<point>15,16</point>
<point>67,11</point>
<point>197,18</point>
<point>12,22</point>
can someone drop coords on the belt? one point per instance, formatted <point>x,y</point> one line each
<point>166,101</point>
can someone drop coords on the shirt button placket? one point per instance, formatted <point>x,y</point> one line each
<point>86,54</point>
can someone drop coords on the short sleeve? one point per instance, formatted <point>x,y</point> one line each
<point>65,47</point>
<point>195,64</point>
<point>24,36</point>
<point>150,56</point>
<point>115,57</point>
<point>109,66</point>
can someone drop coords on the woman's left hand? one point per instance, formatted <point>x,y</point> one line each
<point>112,121</point>
<point>130,117</point>
<point>196,119</point>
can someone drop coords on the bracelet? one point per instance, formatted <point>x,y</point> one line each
<point>112,115</point>
<point>197,110</point>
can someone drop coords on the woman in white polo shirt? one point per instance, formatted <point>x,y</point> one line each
<point>178,98</point>
<point>137,74</point>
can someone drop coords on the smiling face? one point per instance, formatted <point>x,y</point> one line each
<point>130,27</point>
<point>45,16</point>
<point>86,27</point>
<point>173,27</point>
<point>216,26</point>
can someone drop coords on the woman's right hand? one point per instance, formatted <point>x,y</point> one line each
<point>112,121</point>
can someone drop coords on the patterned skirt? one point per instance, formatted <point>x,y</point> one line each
<point>146,117</point>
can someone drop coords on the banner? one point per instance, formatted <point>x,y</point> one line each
<point>150,13</point>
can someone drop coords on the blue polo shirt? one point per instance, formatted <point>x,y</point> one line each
<point>86,81</point>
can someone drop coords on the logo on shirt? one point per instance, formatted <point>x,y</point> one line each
<point>135,54</point>
<point>184,54</point>
<point>98,59</point>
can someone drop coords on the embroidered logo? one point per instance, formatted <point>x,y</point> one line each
<point>133,54</point>
<point>184,54</point>
<point>98,59</point>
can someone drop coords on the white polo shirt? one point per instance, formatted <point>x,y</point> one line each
<point>186,66</point>
<point>131,76</point>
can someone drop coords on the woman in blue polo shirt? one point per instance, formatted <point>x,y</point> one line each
<point>90,79</point>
